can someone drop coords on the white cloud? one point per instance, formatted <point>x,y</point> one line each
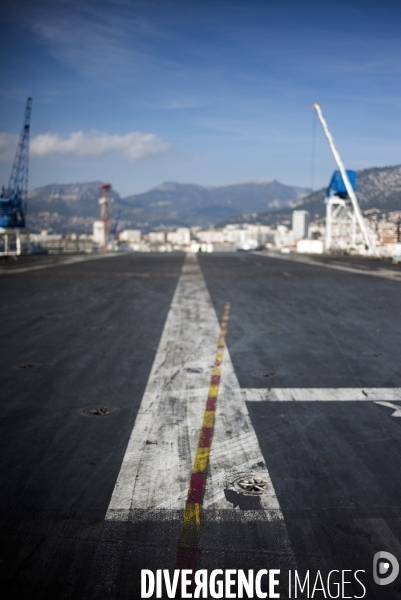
<point>134,146</point>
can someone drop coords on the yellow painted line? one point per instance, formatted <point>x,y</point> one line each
<point>208,418</point>
<point>192,514</point>
<point>190,531</point>
<point>213,391</point>
<point>201,460</point>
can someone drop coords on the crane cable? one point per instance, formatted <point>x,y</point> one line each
<point>313,150</point>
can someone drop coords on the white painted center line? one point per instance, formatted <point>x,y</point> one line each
<point>158,461</point>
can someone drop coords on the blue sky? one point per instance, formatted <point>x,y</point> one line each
<point>137,93</point>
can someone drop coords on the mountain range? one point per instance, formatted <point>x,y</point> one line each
<point>377,188</point>
<point>67,208</point>
<point>74,207</point>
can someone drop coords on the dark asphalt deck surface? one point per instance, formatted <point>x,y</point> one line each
<point>86,334</point>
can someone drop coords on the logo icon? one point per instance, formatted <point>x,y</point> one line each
<point>385,568</point>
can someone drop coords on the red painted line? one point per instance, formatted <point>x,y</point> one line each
<point>187,558</point>
<point>188,551</point>
<point>205,437</point>
<point>211,404</point>
<point>195,494</point>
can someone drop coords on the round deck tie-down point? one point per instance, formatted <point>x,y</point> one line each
<point>252,484</point>
<point>99,411</point>
<point>249,484</point>
<point>245,490</point>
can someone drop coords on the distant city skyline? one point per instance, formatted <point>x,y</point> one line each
<point>210,93</point>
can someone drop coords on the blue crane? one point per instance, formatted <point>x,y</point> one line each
<point>13,199</point>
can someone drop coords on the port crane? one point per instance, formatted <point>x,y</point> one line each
<point>342,203</point>
<point>13,199</point>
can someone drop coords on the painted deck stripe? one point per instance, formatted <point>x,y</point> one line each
<point>365,394</point>
<point>164,443</point>
<point>205,437</point>
<point>321,394</point>
<point>201,463</point>
<point>395,407</point>
<point>211,404</point>
<point>381,273</point>
<point>66,261</point>
<point>188,551</point>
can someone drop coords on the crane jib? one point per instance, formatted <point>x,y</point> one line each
<point>13,199</point>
